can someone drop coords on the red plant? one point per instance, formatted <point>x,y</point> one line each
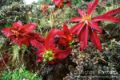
<point>89,25</point>
<point>21,34</point>
<point>64,37</point>
<point>48,51</point>
<point>60,3</point>
<point>44,8</point>
<point>57,44</point>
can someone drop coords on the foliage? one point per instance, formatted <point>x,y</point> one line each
<point>20,74</point>
<point>7,2</point>
<point>13,12</point>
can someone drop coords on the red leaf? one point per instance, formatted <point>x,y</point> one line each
<point>65,28</point>
<point>21,41</point>
<point>38,45</point>
<point>95,26</point>
<point>17,25</point>
<point>92,6</point>
<point>81,13</point>
<point>83,38</point>
<point>49,41</point>
<point>36,36</point>
<point>39,59</point>
<point>112,12</point>
<point>58,3</point>
<point>105,18</point>
<point>95,39</point>
<point>62,54</point>
<point>29,27</point>
<point>75,19</point>
<point>6,32</point>
<point>76,29</point>
<point>69,3</point>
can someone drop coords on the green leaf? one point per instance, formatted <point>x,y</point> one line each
<point>15,51</point>
<point>20,74</point>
